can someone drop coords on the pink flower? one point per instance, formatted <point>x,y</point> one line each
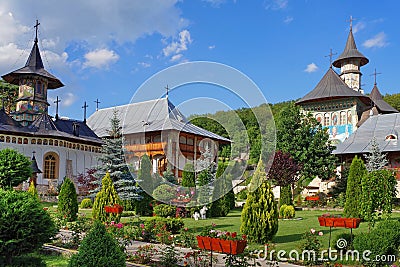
<point>142,225</point>
<point>312,230</point>
<point>213,224</point>
<point>320,233</point>
<point>120,225</point>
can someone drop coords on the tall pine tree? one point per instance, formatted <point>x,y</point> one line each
<point>113,161</point>
<point>260,213</point>
<point>352,207</point>
<point>375,160</point>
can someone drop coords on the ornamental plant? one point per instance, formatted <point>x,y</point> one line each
<point>352,207</point>
<point>310,242</point>
<point>144,254</point>
<point>14,168</point>
<point>68,201</point>
<point>32,190</point>
<point>221,234</point>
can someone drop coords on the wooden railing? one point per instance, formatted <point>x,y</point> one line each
<point>147,147</point>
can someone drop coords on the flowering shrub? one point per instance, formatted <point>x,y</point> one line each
<point>198,258</point>
<point>186,238</point>
<point>143,255</point>
<point>328,215</point>
<point>123,234</point>
<point>222,234</point>
<point>311,242</point>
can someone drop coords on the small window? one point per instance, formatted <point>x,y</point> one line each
<point>56,142</point>
<point>157,139</point>
<point>50,142</point>
<point>19,140</point>
<point>391,137</point>
<point>25,141</point>
<point>45,142</point>
<point>2,138</point>
<point>190,141</point>
<point>39,141</point>
<point>7,139</point>
<point>14,140</point>
<point>182,140</point>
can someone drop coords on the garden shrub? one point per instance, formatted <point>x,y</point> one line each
<point>281,210</point>
<point>352,207</point>
<point>348,237</point>
<point>382,240</point>
<point>289,212</point>
<point>310,242</point>
<point>164,193</point>
<point>32,190</point>
<point>24,225</point>
<point>98,248</point>
<point>14,168</point>
<point>165,210</point>
<point>68,201</point>
<point>86,203</point>
<point>173,225</point>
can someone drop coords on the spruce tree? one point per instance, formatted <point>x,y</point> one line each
<point>375,160</point>
<point>188,176</point>
<point>260,214</point>
<point>352,207</point>
<point>148,182</point>
<point>113,162</point>
<point>98,248</point>
<point>106,197</point>
<point>68,201</point>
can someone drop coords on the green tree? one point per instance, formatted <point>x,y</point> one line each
<point>106,197</point>
<point>113,162</point>
<point>14,168</point>
<point>32,190</point>
<point>286,197</point>
<point>98,248</point>
<point>259,219</point>
<point>188,176</point>
<point>24,225</point>
<point>375,160</point>
<point>148,182</point>
<point>169,176</point>
<point>68,201</point>
<point>352,207</point>
<point>307,142</point>
<point>393,100</point>
<point>378,191</point>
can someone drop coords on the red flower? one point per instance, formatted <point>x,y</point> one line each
<point>234,234</point>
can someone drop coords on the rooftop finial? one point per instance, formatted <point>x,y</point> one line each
<point>56,102</point>
<point>330,57</point>
<point>166,88</point>
<point>375,74</point>
<point>351,22</point>
<point>97,104</point>
<point>36,28</point>
<point>84,111</point>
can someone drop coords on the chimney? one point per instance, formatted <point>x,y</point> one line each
<point>75,128</point>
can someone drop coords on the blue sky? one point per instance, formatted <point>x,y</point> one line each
<point>106,49</point>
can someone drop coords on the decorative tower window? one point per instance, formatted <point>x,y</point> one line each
<point>343,118</point>
<point>327,121</point>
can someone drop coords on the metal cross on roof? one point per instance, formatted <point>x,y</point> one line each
<point>56,102</point>
<point>84,111</point>
<point>166,88</point>
<point>351,22</point>
<point>97,104</point>
<point>36,27</point>
<point>374,74</point>
<point>330,57</point>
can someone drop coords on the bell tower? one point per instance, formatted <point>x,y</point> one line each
<point>350,62</point>
<point>33,81</point>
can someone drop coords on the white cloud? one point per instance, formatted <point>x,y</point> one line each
<point>177,46</point>
<point>215,3</point>
<point>144,64</point>
<point>68,99</point>
<point>311,68</point>
<point>378,40</point>
<point>276,4</point>
<point>100,58</point>
<point>358,27</point>
<point>176,57</point>
<point>211,47</point>
<point>288,19</point>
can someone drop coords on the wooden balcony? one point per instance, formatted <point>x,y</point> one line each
<point>150,147</point>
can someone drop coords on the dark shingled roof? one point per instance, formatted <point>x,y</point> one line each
<point>34,166</point>
<point>331,86</point>
<point>34,65</point>
<point>350,51</point>
<point>380,103</point>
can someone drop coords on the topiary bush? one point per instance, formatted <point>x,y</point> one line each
<point>98,248</point>
<point>68,201</point>
<point>14,168</point>
<point>287,211</point>
<point>384,239</point>
<point>164,193</point>
<point>24,225</point>
<point>106,197</point>
<point>165,210</point>
<point>348,237</point>
<point>86,203</point>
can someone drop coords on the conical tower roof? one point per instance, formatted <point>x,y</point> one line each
<point>381,104</point>
<point>34,165</point>
<point>331,87</point>
<point>34,65</point>
<point>350,51</point>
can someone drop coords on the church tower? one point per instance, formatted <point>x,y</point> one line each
<point>350,62</point>
<point>33,81</point>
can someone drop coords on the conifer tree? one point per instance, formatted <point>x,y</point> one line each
<point>98,248</point>
<point>188,176</point>
<point>113,161</point>
<point>260,214</point>
<point>148,182</point>
<point>32,190</point>
<point>375,160</point>
<point>68,201</point>
<point>106,197</point>
<point>352,207</point>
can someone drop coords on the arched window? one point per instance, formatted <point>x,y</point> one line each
<point>50,166</point>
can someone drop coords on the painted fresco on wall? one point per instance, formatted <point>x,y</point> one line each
<point>340,132</point>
